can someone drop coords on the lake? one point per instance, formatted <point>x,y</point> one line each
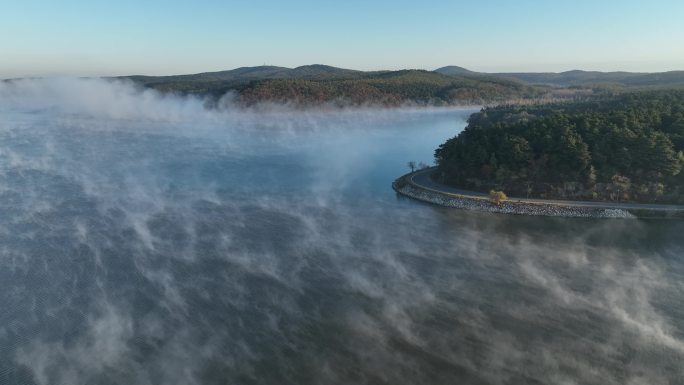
<point>145,240</point>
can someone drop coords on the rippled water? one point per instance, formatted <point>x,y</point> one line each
<point>144,240</point>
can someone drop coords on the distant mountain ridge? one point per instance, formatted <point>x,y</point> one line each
<point>320,84</point>
<point>451,85</point>
<point>313,71</point>
<point>454,71</point>
<point>581,78</point>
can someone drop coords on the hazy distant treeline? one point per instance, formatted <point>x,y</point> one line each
<point>318,85</point>
<point>315,85</point>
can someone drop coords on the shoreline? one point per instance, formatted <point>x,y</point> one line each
<point>405,185</point>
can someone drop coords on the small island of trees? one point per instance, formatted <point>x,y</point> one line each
<point>618,148</point>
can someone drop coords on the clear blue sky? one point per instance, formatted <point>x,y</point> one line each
<point>78,37</point>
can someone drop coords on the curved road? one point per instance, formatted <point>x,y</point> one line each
<point>422,179</point>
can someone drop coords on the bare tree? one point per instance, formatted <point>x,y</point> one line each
<point>412,166</point>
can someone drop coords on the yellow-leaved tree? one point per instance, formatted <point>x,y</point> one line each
<point>497,197</point>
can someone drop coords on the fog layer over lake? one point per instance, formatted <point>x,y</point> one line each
<point>147,240</point>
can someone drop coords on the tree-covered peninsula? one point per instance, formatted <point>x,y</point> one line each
<point>620,148</point>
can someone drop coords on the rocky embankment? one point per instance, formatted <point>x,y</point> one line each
<point>405,187</point>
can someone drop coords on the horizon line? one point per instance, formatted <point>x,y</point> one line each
<point>48,75</point>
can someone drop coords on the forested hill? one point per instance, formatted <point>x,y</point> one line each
<point>413,87</point>
<point>319,84</point>
<point>578,78</point>
<point>627,147</point>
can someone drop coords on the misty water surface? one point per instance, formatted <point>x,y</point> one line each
<point>146,240</point>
